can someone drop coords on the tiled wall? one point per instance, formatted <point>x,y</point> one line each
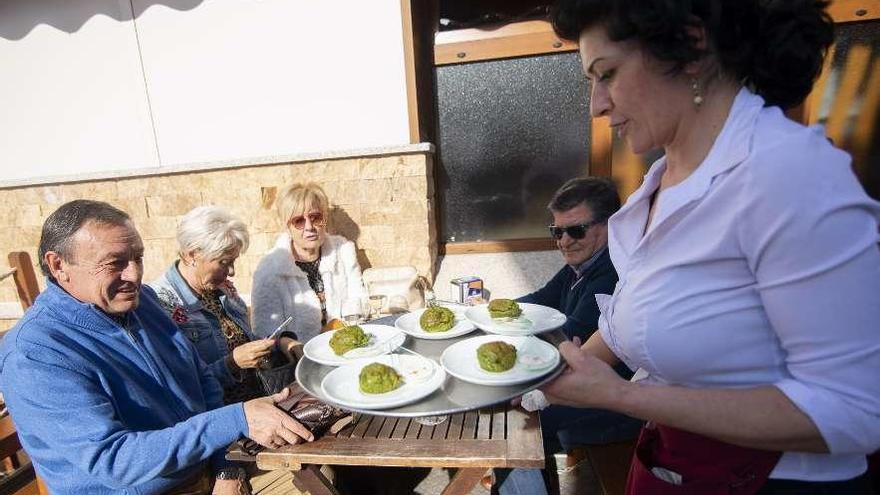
<point>383,203</point>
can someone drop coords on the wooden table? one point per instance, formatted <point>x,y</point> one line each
<point>500,437</point>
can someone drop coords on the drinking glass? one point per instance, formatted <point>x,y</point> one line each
<point>353,310</point>
<point>376,304</point>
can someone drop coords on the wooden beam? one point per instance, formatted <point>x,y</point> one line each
<point>857,59</point>
<point>464,481</point>
<point>854,10</point>
<point>629,169</point>
<point>494,42</point>
<point>503,246</point>
<point>863,132</point>
<point>537,37</point>
<point>810,113</point>
<point>409,452</point>
<point>409,67</point>
<point>600,147</point>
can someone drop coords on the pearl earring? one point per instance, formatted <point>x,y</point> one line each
<point>697,92</point>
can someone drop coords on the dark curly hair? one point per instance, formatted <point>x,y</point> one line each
<point>775,47</point>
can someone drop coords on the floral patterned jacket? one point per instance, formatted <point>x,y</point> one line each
<point>200,326</point>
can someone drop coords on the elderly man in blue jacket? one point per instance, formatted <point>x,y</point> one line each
<point>107,395</point>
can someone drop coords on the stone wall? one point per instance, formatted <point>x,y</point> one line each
<point>384,203</point>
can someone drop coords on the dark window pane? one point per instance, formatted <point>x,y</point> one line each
<point>511,132</point>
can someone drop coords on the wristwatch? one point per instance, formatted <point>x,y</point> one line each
<point>231,473</point>
<point>236,473</point>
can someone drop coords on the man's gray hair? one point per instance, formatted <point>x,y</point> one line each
<point>212,231</point>
<point>60,227</point>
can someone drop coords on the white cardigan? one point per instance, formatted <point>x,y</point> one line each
<point>281,288</point>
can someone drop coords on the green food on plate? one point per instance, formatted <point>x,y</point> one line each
<point>348,338</point>
<point>437,319</point>
<point>496,356</point>
<point>377,378</point>
<point>504,308</point>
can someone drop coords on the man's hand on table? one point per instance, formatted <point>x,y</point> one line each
<point>271,427</point>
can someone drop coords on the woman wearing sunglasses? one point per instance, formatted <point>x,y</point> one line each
<point>309,272</point>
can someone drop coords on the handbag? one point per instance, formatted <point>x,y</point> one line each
<point>317,416</point>
<point>703,466</point>
<point>402,286</point>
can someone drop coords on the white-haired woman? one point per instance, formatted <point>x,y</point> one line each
<point>309,272</point>
<point>197,293</point>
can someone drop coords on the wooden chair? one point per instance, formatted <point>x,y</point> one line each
<point>22,481</point>
<point>25,278</point>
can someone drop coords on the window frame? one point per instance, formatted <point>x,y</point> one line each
<point>536,37</point>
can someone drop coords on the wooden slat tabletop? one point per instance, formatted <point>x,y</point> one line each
<point>497,437</point>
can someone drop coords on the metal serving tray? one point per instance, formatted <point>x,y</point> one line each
<point>454,396</point>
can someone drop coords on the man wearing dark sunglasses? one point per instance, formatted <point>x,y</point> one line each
<point>580,209</point>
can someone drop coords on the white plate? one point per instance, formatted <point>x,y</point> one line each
<point>460,360</point>
<point>384,339</point>
<point>409,323</point>
<point>534,319</point>
<point>422,376</point>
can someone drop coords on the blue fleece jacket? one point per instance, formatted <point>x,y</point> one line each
<point>107,408</point>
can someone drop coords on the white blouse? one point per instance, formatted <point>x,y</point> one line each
<point>762,267</point>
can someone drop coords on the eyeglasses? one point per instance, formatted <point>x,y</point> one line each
<point>316,218</point>
<point>573,231</point>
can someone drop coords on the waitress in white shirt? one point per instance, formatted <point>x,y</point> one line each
<point>749,292</point>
